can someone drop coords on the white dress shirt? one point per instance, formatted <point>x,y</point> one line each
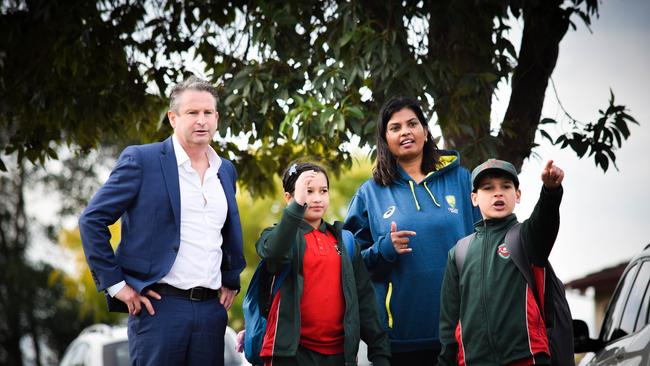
<point>203,213</point>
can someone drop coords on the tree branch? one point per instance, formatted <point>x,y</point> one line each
<point>545,24</point>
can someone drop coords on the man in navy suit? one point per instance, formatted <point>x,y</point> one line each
<point>180,256</point>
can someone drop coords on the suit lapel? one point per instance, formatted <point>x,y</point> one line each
<point>226,179</point>
<point>170,174</point>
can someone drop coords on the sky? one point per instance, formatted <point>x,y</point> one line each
<point>603,218</point>
<point>603,215</point>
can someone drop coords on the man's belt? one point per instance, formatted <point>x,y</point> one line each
<point>193,294</point>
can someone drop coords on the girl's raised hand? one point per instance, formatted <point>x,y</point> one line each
<point>302,183</point>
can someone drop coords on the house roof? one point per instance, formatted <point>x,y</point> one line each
<point>606,278</point>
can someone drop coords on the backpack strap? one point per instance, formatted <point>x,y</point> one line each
<point>460,251</point>
<point>520,258</point>
<point>348,242</point>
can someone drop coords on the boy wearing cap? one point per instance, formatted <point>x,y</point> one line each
<point>489,315</point>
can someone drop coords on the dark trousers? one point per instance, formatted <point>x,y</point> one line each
<point>182,332</point>
<point>306,357</point>
<point>415,358</point>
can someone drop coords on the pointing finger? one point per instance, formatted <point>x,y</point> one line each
<point>548,169</point>
<point>393,227</point>
<point>549,165</point>
<point>405,233</point>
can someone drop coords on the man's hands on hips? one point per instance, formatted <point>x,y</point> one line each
<point>227,297</point>
<point>134,300</point>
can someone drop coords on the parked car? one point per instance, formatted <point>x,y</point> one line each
<point>625,333</point>
<point>104,345</point>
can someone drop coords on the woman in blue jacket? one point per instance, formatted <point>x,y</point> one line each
<point>406,218</point>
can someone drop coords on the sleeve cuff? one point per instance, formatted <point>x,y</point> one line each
<point>296,210</point>
<point>553,192</point>
<point>380,361</point>
<point>113,290</point>
<point>386,249</point>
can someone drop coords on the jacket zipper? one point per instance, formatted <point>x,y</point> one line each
<point>484,250</point>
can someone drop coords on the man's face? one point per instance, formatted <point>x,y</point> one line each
<point>496,197</point>
<point>195,121</point>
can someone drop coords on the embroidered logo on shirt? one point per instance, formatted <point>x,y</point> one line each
<point>451,201</point>
<point>503,251</point>
<point>389,212</point>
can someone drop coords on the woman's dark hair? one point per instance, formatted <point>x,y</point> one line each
<point>385,171</point>
<point>292,173</point>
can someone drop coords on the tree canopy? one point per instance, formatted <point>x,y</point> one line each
<point>298,78</point>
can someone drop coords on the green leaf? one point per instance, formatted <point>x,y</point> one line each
<point>340,121</point>
<point>622,127</point>
<point>346,38</point>
<point>259,86</point>
<point>355,112</point>
<point>617,136</point>
<point>546,135</point>
<point>601,160</point>
<point>232,98</point>
<point>52,154</point>
<point>265,106</point>
<point>546,121</point>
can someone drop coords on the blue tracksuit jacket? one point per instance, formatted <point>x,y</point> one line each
<point>407,286</point>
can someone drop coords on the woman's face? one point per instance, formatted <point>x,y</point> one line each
<point>405,135</point>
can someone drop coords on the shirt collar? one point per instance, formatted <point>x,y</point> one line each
<point>182,157</point>
<point>308,228</point>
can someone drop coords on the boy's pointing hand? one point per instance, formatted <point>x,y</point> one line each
<point>552,176</point>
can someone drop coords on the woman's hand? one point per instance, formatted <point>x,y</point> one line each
<point>400,239</point>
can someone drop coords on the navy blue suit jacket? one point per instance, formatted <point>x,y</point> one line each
<point>143,190</point>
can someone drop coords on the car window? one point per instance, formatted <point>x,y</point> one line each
<point>644,311</point>
<point>633,304</point>
<point>611,325</point>
<point>116,354</point>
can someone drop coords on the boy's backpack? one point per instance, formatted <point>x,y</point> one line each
<point>259,297</point>
<point>557,315</point>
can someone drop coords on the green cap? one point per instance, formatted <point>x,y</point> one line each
<point>492,165</point>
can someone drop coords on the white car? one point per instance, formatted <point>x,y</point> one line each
<point>104,345</point>
<point>625,333</point>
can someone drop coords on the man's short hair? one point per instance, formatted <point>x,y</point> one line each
<point>191,83</point>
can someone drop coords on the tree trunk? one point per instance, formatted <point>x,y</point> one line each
<point>545,23</point>
<point>461,54</point>
<point>12,356</point>
<point>12,243</point>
